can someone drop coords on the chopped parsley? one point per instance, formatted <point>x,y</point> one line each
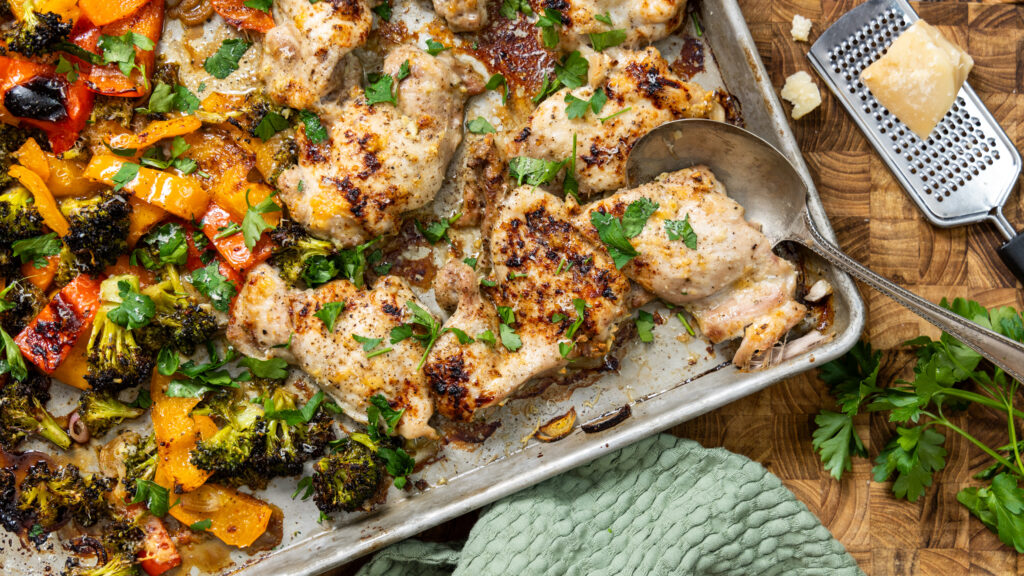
<point>261,5</point>
<point>480,125</point>
<point>645,325</point>
<point>510,8</point>
<point>156,497</point>
<point>434,47</point>
<point>549,22</point>
<point>577,107</point>
<point>314,129</point>
<point>134,311</point>
<point>125,175</point>
<point>37,249</point>
<point>608,39</point>
<point>166,98</point>
<point>605,18</point>
<point>212,284</point>
<point>424,320</point>
<point>369,344</point>
<point>509,339</point>
<point>681,230</point>
<point>270,124</point>
<point>328,314</point>
<point>613,115</point>
<point>437,231</point>
<point>120,50</point>
<point>254,225</point>
<point>225,61</point>
<point>498,81</point>
<point>383,10</point>
<point>533,171</point>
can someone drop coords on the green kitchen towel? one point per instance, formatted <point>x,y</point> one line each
<point>661,506</point>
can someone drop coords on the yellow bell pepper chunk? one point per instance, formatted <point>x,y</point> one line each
<point>44,201</point>
<point>180,195</point>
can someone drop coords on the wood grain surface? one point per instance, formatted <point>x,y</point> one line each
<point>877,224</point>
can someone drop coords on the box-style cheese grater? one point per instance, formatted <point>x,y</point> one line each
<point>967,167</point>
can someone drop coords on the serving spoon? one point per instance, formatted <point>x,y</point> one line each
<point>774,195</point>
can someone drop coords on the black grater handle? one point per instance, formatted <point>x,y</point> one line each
<point>1012,254</point>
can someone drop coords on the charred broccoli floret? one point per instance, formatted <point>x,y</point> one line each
<point>115,360</point>
<point>10,516</point>
<point>228,451</point>
<point>22,413</point>
<point>114,565</point>
<point>180,321</point>
<point>98,229</point>
<point>48,496</point>
<point>37,33</point>
<point>101,411</point>
<point>67,268</point>
<point>25,301</point>
<point>287,445</point>
<point>302,257</point>
<point>348,478</point>
<point>139,457</point>
<point>19,218</point>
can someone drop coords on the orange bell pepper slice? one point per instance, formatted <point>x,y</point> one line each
<point>66,178</point>
<point>75,365</point>
<point>102,12</point>
<point>31,156</point>
<point>44,201</point>
<point>238,519</point>
<point>52,334</point>
<point>156,131</point>
<point>124,266</point>
<point>143,218</point>
<point>147,21</point>
<point>41,277</point>
<point>236,13</point>
<point>177,431</point>
<point>66,9</point>
<point>232,248</point>
<point>180,195</point>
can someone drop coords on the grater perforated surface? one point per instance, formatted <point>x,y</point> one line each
<point>966,168</point>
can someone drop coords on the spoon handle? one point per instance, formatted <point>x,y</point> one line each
<point>1003,352</point>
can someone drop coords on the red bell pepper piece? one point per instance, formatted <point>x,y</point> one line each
<point>232,248</point>
<point>51,335</point>
<point>236,13</point>
<point>147,21</point>
<point>78,101</point>
<point>158,554</point>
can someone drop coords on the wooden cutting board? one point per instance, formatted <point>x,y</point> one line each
<point>878,224</point>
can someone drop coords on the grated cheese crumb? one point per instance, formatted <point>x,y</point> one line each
<point>801,28</point>
<point>802,93</point>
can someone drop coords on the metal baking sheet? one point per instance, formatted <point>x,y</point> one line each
<point>664,383</point>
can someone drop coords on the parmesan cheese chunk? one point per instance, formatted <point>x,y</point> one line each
<point>918,77</point>
<point>801,28</point>
<point>802,93</point>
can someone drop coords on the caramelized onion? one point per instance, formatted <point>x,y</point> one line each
<point>557,428</point>
<point>192,12</point>
<point>76,429</point>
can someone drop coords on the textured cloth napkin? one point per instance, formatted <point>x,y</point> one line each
<point>661,506</point>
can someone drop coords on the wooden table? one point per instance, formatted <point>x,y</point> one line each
<point>878,224</point>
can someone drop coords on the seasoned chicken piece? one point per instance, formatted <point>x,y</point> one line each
<point>303,53</point>
<point>732,282</point>
<point>267,312</point>
<point>644,94</point>
<point>547,274</point>
<point>643,21</point>
<point>379,160</point>
<point>462,15</point>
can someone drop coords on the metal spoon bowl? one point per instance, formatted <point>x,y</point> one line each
<point>773,195</point>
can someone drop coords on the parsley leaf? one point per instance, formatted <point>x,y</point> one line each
<point>915,454</point>
<point>155,496</point>
<point>1000,507</point>
<point>480,125</point>
<point>212,284</point>
<point>608,39</point>
<point>460,335</point>
<point>437,231</point>
<point>636,215</point>
<point>225,61</point>
<point>549,22</point>
<point>67,68</point>
<point>304,487</point>
<point>383,10</point>
<point>498,81</point>
<point>577,107</point>
<point>399,464</point>
<point>572,71</point>
<point>293,417</point>
<point>682,230</point>
<point>645,326</point>
<point>328,314</point>
<point>167,361</point>
<point>533,171</point>
<point>271,368</point>
<point>381,90</point>
<point>37,249</point>
<point>378,408</point>
<point>313,128</point>
<point>270,124</point>
<point>120,50</point>
<point>604,18</point>
<point>611,232</point>
<point>202,525</point>
<point>135,309</point>
<point>254,225</point>
<point>835,439</point>
<point>125,175</point>
<point>367,342</point>
<point>261,5</point>
<point>434,47</point>
<point>509,8</point>
<point>487,337</point>
<point>164,98</point>
<point>13,362</point>
<point>509,339</point>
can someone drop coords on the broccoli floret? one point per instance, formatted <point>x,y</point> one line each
<point>124,535</point>
<point>19,218</point>
<point>101,411</point>
<point>49,497</point>
<point>67,268</point>
<point>115,360</point>
<point>12,138</point>
<point>26,300</point>
<point>228,451</point>
<point>302,257</point>
<point>348,478</point>
<point>10,516</point>
<point>286,156</point>
<point>287,446</point>
<point>22,413</point>
<point>38,33</point>
<point>180,321</point>
<point>98,229</point>
<point>139,456</point>
<point>114,565</point>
